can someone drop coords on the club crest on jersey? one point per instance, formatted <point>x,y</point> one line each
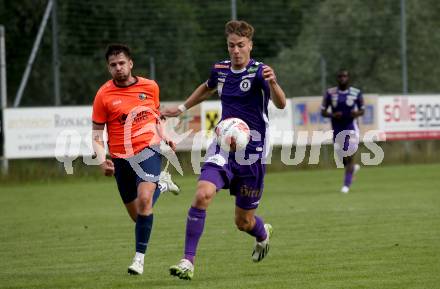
<point>350,100</point>
<point>245,85</point>
<point>142,96</point>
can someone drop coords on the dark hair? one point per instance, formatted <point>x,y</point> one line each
<point>241,28</point>
<point>342,70</point>
<point>117,48</point>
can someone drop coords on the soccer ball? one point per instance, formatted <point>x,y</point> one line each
<point>232,134</point>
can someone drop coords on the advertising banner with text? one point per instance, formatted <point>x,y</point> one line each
<point>40,132</point>
<point>34,132</point>
<point>412,117</point>
<point>307,118</point>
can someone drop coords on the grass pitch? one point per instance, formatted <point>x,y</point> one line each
<point>384,234</point>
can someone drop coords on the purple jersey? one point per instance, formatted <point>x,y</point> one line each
<point>343,101</point>
<point>244,94</point>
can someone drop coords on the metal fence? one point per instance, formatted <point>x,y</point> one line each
<point>388,47</point>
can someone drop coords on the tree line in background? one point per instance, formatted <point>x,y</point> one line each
<point>301,39</point>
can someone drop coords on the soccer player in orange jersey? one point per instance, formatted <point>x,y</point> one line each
<point>128,106</point>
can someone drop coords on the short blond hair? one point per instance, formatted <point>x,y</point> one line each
<point>239,27</point>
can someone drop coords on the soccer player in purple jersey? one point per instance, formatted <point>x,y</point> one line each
<point>245,87</point>
<point>347,104</point>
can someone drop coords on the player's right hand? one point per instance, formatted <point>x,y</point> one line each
<point>170,111</point>
<point>108,168</point>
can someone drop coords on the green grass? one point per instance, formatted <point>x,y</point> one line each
<point>384,234</point>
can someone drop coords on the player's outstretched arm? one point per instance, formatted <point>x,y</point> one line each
<point>201,93</point>
<point>276,92</point>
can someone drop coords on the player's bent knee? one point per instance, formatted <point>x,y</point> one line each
<point>204,196</point>
<point>145,203</point>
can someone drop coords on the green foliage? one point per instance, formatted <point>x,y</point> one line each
<point>184,38</point>
<point>423,43</point>
<point>21,20</point>
<point>364,37</point>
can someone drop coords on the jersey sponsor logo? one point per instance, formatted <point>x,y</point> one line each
<point>142,96</point>
<point>134,117</point>
<point>354,91</point>
<point>245,85</point>
<point>253,69</point>
<point>334,100</point>
<point>246,191</point>
<point>122,118</point>
<point>248,76</point>
<point>221,66</point>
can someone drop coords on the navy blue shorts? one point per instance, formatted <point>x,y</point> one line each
<point>142,167</point>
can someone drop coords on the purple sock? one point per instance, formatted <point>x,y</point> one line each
<point>348,178</point>
<point>194,229</point>
<point>258,231</point>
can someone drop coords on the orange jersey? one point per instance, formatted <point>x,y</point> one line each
<point>131,114</point>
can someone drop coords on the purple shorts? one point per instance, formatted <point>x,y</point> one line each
<point>346,140</point>
<point>246,182</point>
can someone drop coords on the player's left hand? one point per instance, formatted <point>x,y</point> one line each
<point>269,74</point>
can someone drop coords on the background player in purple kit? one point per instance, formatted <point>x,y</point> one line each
<point>347,104</point>
<point>245,87</point>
